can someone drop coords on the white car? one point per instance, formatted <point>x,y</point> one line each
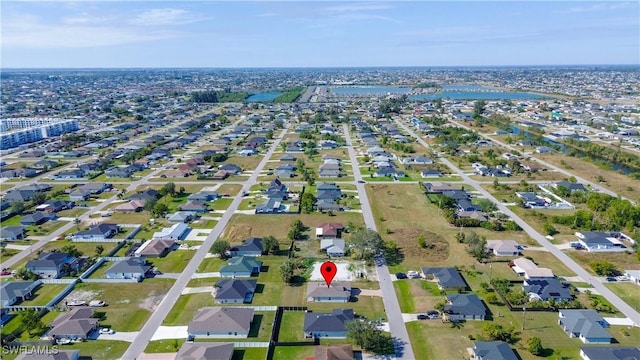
<point>107,331</point>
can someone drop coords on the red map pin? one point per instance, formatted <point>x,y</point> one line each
<point>328,271</point>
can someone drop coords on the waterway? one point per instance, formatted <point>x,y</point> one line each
<point>476,92</point>
<point>366,90</point>
<point>264,96</point>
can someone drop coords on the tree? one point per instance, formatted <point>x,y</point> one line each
<point>25,274</point>
<point>534,345</point>
<point>497,332</point>
<point>296,230</point>
<point>16,207</point>
<point>150,204</point>
<point>270,245</point>
<point>369,337</point>
<point>38,198</point>
<point>168,189</point>
<point>160,209</point>
<point>31,321</point>
<point>220,247</point>
<point>366,240</point>
<point>99,250</point>
<point>549,229</point>
<point>492,299</point>
<point>603,268</point>
<point>478,108</point>
<point>269,134</point>
<point>307,202</point>
<point>287,271</point>
<point>71,250</point>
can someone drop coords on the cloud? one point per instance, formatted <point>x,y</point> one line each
<point>598,7</point>
<point>166,16</point>
<point>28,31</point>
<point>356,7</point>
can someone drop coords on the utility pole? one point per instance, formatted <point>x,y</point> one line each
<point>524,315</point>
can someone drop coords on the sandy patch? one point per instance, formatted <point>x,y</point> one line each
<point>346,271</point>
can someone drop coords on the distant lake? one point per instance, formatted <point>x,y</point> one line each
<point>265,96</point>
<point>476,92</point>
<point>374,90</point>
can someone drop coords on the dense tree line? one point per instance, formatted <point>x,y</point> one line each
<point>211,96</point>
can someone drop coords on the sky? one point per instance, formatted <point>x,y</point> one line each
<point>61,34</point>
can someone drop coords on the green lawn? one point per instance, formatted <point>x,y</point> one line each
<point>200,282</point>
<point>294,352</point>
<point>99,349</point>
<point>186,306</point>
<point>221,204</point>
<point>212,264</point>
<point>129,305</point>
<point>249,353</point>
<point>174,262</point>
<point>627,291</point>
<point>44,294</point>
<point>291,328</point>
<point>203,224</point>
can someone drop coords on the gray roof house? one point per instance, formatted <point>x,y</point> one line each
<point>333,247</point>
<point>446,277</point>
<point>318,291</point>
<point>585,324</point>
<point>37,218</point>
<point>98,232</point>
<point>464,307</point>
<point>249,247</point>
<point>182,216</point>
<point>14,291</point>
<point>51,264</point>
<point>74,325</point>
<point>132,268</point>
<point>609,353</point>
<point>221,322</point>
<point>195,206</point>
<point>569,185</point>
<point>327,325</point>
<point>204,196</point>
<point>13,232</point>
<point>208,351</point>
<point>492,350</point>
<point>270,206</point>
<point>235,291</point>
<point>598,241</point>
<point>243,266</point>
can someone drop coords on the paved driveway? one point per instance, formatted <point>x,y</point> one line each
<point>170,332</point>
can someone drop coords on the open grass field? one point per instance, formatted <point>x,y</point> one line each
<point>621,260</point>
<point>186,306</point>
<point>211,264</point>
<point>416,295</point>
<point>548,260</point>
<point>616,182</point>
<point>44,294</point>
<point>627,291</point>
<point>245,162</point>
<point>231,189</point>
<point>294,352</point>
<point>174,262</point>
<point>221,204</point>
<point>99,349</point>
<point>243,226</point>
<point>402,214</point>
<point>129,305</point>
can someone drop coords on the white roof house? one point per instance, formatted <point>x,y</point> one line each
<point>528,269</point>
<point>503,247</point>
<point>174,232</point>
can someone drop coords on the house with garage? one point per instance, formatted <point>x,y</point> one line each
<point>36,218</point>
<point>585,324</point>
<point>609,353</point>
<point>545,289</point>
<point>447,278</point>
<point>334,352</point>
<point>12,292</point>
<point>197,206</point>
<point>599,241</point>
<point>221,322</point>
<point>12,233</point>
<point>462,307</point>
<point>53,206</point>
<point>155,248</point>
<point>503,247</point>
<point>205,350</point>
<point>528,269</point>
<point>492,350</point>
<point>131,268</point>
<point>569,185</point>
<point>97,232</point>
<point>182,216</point>
<point>131,206</point>
<point>52,264</point>
<point>329,230</point>
<point>269,206</point>
<point>235,291</point>
<point>80,195</point>
<point>231,169</point>
<point>338,291</point>
<point>431,173</point>
<point>633,275</point>
<point>78,324</point>
<point>249,247</point>
<point>331,325</point>
<point>242,266</point>
<point>204,196</point>
<point>175,232</point>
<point>531,200</point>
<point>333,247</point>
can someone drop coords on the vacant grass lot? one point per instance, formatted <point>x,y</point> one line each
<point>231,189</point>
<point>44,294</point>
<point>628,291</point>
<point>174,262</point>
<point>129,305</point>
<point>186,306</point>
<point>294,352</point>
<point>621,260</point>
<point>548,260</point>
<point>402,214</point>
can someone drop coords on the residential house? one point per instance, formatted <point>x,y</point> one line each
<point>545,289</point>
<point>155,248</point>
<point>633,275</point>
<point>205,350</point>
<point>235,291</point>
<point>131,206</point>
<point>327,325</point>
<point>249,247</point>
<point>204,196</point>
<point>78,324</point>
<point>334,352</point>
<point>221,322</point>
<point>53,206</point>
<point>337,292</point>
<point>198,206</point>
<point>503,247</point>
<point>569,185</point>
<point>328,173</point>
<point>270,206</point>
<point>333,247</point>
<point>277,185</point>
<point>18,195</point>
<point>438,187</point>
<point>36,218</point>
<point>431,173</point>
<point>74,174</point>
<point>57,355</point>
<point>492,350</point>
<point>609,353</point>
<point>131,268</point>
<point>585,324</point>
<point>12,233</point>
<point>242,266</point>
<point>175,232</point>
<point>52,264</point>
<point>182,216</point>
<point>12,292</point>
<point>462,307</point>
<point>329,230</point>
<point>80,195</point>
<point>119,172</point>
<point>98,232</point>
<point>145,195</point>
<point>446,277</point>
<point>598,241</point>
<point>528,269</point>
<point>231,169</point>
<point>531,200</point>
<point>288,157</point>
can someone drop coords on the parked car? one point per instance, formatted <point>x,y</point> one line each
<point>433,314</point>
<point>361,182</point>
<point>422,317</point>
<point>610,279</point>
<point>107,331</point>
<point>401,275</point>
<point>97,303</point>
